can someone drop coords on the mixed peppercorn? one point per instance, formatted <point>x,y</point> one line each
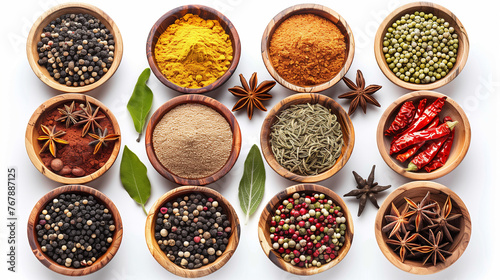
<point>308,230</point>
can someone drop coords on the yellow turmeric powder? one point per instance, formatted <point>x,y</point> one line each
<point>193,52</point>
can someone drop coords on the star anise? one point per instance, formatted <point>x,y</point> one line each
<point>404,244</point>
<point>89,118</point>
<point>396,221</point>
<point>359,94</point>
<point>51,137</point>
<point>102,138</point>
<point>366,189</point>
<point>68,114</point>
<point>443,218</point>
<point>251,94</point>
<point>421,211</point>
<point>434,249</point>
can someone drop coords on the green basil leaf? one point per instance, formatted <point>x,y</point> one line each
<point>133,174</point>
<point>140,102</point>
<point>252,184</point>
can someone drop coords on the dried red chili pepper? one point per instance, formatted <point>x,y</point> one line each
<point>420,109</point>
<point>427,116</point>
<point>431,149</point>
<point>443,153</point>
<point>420,136</point>
<point>413,149</point>
<point>402,119</point>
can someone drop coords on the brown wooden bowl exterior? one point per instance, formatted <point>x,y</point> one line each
<point>319,10</point>
<point>55,12</point>
<point>33,147</point>
<point>461,141</point>
<point>206,13</point>
<point>51,264</point>
<point>439,11</point>
<point>161,257</point>
<point>303,98</point>
<point>268,213</point>
<point>416,191</point>
<point>203,100</point>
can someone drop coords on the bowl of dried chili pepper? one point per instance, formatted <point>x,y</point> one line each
<point>423,227</point>
<point>423,135</point>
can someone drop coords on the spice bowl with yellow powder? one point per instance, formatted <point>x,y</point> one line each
<point>193,140</point>
<point>193,49</point>
<point>307,48</point>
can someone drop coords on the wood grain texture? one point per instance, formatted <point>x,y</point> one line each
<point>33,147</point>
<point>460,145</point>
<point>52,14</point>
<point>268,213</point>
<point>319,10</point>
<point>206,13</point>
<point>102,260</point>
<point>207,101</point>
<point>416,191</point>
<point>439,11</point>
<point>161,257</point>
<point>303,98</point>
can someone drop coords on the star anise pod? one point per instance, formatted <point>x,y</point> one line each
<point>420,212</point>
<point>360,95</point>
<point>434,247</point>
<point>51,137</point>
<point>443,218</point>
<point>396,221</point>
<point>89,118</point>
<point>404,244</point>
<point>68,114</point>
<point>251,94</point>
<point>102,138</point>
<point>366,189</point>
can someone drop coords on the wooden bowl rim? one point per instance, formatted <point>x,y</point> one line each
<point>51,104</point>
<point>203,100</point>
<point>92,10</point>
<point>103,259</point>
<point>161,258</point>
<point>233,34</point>
<point>391,162</point>
<point>459,64</point>
<point>270,207</point>
<point>268,122</point>
<point>303,9</point>
<point>399,192</point>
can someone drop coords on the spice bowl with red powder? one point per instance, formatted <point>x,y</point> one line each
<point>307,48</point>
<point>72,138</point>
<point>404,151</point>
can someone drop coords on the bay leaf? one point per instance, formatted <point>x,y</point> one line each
<point>134,178</point>
<point>140,102</point>
<point>252,184</point>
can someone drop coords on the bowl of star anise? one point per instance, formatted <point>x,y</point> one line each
<point>423,227</point>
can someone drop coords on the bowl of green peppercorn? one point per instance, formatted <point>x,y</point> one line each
<point>421,46</point>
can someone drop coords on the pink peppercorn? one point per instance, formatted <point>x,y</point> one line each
<point>196,239</point>
<point>163,210</point>
<point>42,222</point>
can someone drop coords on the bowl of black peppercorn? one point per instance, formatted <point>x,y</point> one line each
<point>192,231</point>
<point>74,230</point>
<point>74,47</point>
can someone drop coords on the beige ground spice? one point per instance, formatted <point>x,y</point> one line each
<point>192,141</point>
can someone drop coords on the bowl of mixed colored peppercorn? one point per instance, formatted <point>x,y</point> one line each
<point>193,49</point>
<point>74,230</point>
<point>192,231</point>
<point>423,227</point>
<point>421,46</point>
<point>74,47</point>
<point>423,135</point>
<point>306,229</point>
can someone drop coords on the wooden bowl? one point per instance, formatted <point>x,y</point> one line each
<point>161,257</point>
<point>206,13</point>
<point>51,264</point>
<point>33,147</point>
<point>416,191</point>
<point>461,141</point>
<point>268,213</point>
<point>303,98</point>
<point>321,11</point>
<point>439,11</point>
<point>203,100</point>
<point>52,14</point>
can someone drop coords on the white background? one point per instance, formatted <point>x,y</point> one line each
<point>475,89</point>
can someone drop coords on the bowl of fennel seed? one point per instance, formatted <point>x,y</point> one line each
<point>307,137</point>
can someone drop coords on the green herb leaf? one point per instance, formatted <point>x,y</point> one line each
<point>252,184</point>
<point>140,102</point>
<point>133,174</point>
